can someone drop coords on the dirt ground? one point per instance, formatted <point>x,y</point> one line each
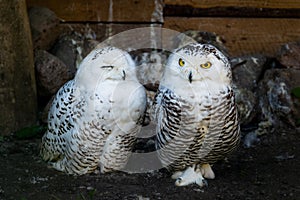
<point>268,170</point>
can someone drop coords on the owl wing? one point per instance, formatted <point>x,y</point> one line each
<point>119,144</point>
<point>170,141</point>
<point>75,136</point>
<point>60,123</point>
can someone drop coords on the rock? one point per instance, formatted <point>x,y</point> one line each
<point>44,113</point>
<point>290,55</point>
<point>44,27</point>
<point>68,50</point>
<point>150,67</point>
<point>250,139</point>
<point>72,47</point>
<point>51,73</point>
<point>278,107</point>
<point>246,102</point>
<point>201,37</point>
<point>247,71</point>
<point>150,114</point>
<point>88,46</point>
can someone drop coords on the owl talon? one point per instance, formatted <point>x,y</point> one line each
<point>202,183</point>
<point>178,181</point>
<point>205,182</point>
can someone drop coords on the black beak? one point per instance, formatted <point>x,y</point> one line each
<point>124,75</point>
<point>190,77</point>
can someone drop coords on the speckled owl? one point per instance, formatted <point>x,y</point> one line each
<point>196,115</point>
<point>94,118</point>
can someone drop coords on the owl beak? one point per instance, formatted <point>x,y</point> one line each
<point>190,77</point>
<point>124,75</point>
<point>121,73</point>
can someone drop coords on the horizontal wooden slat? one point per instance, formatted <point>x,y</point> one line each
<point>103,10</point>
<point>233,8</point>
<point>236,3</point>
<point>243,35</point>
<point>189,11</point>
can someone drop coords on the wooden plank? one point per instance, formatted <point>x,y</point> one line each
<point>189,11</point>
<point>18,105</point>
<point>233,8</point>
<point>243,35</point>
<point>236,3</point>
<point>104,10</point>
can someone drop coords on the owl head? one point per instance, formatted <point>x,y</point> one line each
<point>105,64</point>
<point>196,64</point>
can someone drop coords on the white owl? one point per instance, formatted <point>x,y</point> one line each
<point>195,111</point>
<point>94,119</point>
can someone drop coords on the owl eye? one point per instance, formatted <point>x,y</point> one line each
<point>206,65</point>
<point>109,67</point>
<point>181,62</point>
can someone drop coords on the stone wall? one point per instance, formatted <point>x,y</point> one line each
<point>260,39</point>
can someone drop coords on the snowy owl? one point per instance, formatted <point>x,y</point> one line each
<point>94,118</point>
<point>195,111</point>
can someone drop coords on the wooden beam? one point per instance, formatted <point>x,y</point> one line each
<point>104,10</point>
<point>18,104</point>
<point>188,11</point>
<point>233,8</point>
<point>243,35</point>
<point>283,4</point>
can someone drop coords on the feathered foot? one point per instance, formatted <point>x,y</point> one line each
<point>58,165</point>
<point>207,172</point>
<point>176,175</point>
<point>189,176</point>
<point>71,167</point>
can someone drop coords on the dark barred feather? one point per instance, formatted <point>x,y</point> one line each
<point>182,140</point>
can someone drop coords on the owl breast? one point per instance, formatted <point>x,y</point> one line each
<point>196,128</point>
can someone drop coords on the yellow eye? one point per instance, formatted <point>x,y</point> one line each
<point>206,65</point>
<point>181,62</point>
